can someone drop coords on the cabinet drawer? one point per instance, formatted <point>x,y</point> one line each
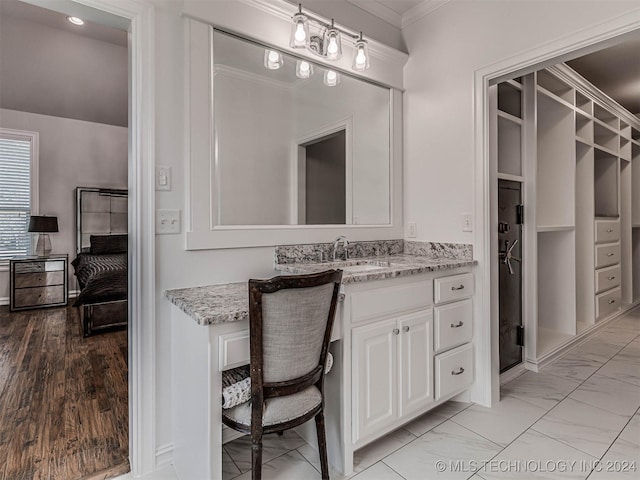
<point>383,302</point>
<point>39,266</point>
<point>41,279</point>
<point>607,231</point>
<point>607,278</point>
<point>608,302</point>
<point>607,255</point>
<point>234,349</point>
<point>454,370</point>
<point>453,288</point>
<point>26,297</point>
<point>453,324</point>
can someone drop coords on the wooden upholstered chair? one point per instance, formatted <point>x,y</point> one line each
<point>290,320</point>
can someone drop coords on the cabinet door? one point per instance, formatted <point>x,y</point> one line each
<point>375,401</point>
<point>416,357</point>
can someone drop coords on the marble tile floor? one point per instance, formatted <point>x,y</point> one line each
<point>578,418</point>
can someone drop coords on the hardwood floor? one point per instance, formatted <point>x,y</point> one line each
<point>63,398</point>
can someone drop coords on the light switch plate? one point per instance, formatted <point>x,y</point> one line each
<point>412,228</point>
<point>167,221</point>
<point>467,222</point>
<point>163,178</point>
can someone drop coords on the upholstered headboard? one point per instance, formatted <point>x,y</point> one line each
<point>99,211</point>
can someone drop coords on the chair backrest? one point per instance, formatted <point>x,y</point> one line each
<point>291,318</point>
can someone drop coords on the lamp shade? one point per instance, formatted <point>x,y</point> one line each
<point>43,224</point>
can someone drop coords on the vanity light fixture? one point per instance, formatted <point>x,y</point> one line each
<point>303,69</point>
<point>300,30</point>
<point>272,59</point>
<point>331,78</point>
<point>329,43</point>
<point>76,20</point>
<point>361,58</point>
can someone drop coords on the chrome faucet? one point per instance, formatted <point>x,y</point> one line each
<point>341,239</point>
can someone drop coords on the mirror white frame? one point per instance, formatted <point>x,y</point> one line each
<point>272,26</point>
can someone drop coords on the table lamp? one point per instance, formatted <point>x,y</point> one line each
<point>43,225</point>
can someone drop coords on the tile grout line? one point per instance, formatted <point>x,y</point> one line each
<point>615,439</point>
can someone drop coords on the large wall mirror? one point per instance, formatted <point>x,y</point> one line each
<point>295,142</point>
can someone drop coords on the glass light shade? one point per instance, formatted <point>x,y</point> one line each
<point>332,44</point>
<point>303,69</point>
<point>273,60</point>
<point>331,78</point>
<point>361,57</point>
<point>299,31</point>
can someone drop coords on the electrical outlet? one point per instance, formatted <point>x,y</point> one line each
<point>467,222</point>
<point>167,221</point>
<point>163,178</point>
<point>412,228</point>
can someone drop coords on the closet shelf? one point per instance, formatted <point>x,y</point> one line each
<point>512,178</point>
<point>554,97</point>
<point>508,116</point>
<point>555,228</point>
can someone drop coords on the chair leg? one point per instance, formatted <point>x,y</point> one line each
<point>322,445</point>
<point>256,459</point>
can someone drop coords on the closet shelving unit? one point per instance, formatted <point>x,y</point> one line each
<point>577,153</point>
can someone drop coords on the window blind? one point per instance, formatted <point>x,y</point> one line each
<point>15,195</point>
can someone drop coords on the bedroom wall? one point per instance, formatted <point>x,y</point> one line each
<point>73,153</point>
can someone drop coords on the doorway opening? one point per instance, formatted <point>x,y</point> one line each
<point>322,180</point>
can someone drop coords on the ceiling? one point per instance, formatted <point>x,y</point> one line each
<point>398,13</point>
<point>25,11</point>
<point>615,71</point>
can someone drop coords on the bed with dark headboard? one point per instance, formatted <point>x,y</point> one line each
<point>101,262</point>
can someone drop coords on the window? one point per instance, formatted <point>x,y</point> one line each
<point>18,190</point>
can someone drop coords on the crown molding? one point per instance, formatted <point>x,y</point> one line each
<point>420,11</point>
<point>220,69</point>
<point>379,10</point>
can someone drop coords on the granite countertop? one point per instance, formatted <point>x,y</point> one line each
<point>229,302</point>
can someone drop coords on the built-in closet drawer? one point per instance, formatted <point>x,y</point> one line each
<point>607,255</point>
<point>607,231</point>
<point>455,287</point>
<point>453,324</point>
<point>382,302</point>
<point>608,302</point>
<point>454,370</point>
<point>607,278</point>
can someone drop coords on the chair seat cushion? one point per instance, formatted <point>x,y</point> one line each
<point>236,384</point>
<point>278,409</point>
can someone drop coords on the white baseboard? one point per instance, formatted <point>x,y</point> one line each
<point>164,456</point>
<point>4,301</point>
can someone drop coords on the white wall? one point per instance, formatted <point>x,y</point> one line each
<point>73,153</point>
<point>55,72</point>
<point>446,48</point>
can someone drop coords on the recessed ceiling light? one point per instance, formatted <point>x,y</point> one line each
<point>76,20</point>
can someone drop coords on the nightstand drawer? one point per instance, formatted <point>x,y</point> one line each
<point>41,279</point>
<point>39,266</point>
<point>27,297</point>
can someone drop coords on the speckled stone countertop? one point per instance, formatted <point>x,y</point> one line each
<point>229,302</point>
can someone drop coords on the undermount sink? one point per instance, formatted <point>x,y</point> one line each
<point>363,267</point>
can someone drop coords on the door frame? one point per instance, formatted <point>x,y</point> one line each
<point>486,388</point>
<point>298,157</point>
<point>141,327</point>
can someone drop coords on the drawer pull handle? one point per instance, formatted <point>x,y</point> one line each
<point>458,325</point>
<point>611,277</point>
<point>459,372</point>
<point>611,301</point>
<point>396,331</point>
<point>461,287</point>
<point>610,254</point>
<point>405,328</point>
<point>609,230</point>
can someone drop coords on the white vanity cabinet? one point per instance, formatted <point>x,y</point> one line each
<point>392,371</point>
<point>399,341</point>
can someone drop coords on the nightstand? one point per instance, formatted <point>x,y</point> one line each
<point>38,282</point>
